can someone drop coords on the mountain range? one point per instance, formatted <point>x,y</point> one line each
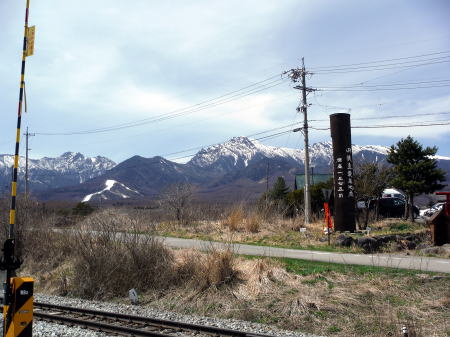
<point>48,173</point>
<point>234,170</point>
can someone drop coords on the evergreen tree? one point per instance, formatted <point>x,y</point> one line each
<point>415,170</point>
<point>82,208</point>
<point>279,190</point>
<point>296,199</point>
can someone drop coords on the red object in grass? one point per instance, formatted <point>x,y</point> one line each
<point>327,216</point>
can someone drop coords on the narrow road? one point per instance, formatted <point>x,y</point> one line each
<point>379,260</point>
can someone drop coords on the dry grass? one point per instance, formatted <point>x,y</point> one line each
<point>217,283</point>
<point>253,223</point>
<point>330,303</point>
<point>235,219</point>
<point>322,301</point>
<point>101,260</point>
<point>202,271</point>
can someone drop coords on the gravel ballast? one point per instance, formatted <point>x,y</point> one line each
<point>44,329</point>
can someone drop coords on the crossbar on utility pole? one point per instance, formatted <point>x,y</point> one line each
<point>296,76</point>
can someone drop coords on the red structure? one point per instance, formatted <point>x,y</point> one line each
<point>447,202</point>
<point>440,223</point>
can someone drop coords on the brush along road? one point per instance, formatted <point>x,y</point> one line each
<point>377,260</point>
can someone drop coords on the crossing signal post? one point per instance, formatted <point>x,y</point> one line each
<point>17,291</point>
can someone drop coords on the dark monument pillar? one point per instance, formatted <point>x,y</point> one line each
<point>344,202</point>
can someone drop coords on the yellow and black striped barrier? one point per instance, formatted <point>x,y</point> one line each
<point>20,309</point>
<point>18,292</point>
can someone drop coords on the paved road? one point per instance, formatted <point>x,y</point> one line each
<point>381,260</point>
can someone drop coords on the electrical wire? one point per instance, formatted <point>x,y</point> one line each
<point>219,100</point>
<point>380,61</point>
<point>262,139</point>
<point>248,136</point>
<point>386,84</point>
<point>279,134</point>
<point>383,89</point>
<point>388,126</point>
<point>381,67</point>
<point>388,117</point>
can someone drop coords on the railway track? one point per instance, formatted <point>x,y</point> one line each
<point>128,325</point>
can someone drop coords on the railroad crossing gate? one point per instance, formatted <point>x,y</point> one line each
<point>20,309</point>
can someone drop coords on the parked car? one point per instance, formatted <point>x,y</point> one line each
<point>433,209</point>
<point>392,193</point>
<point>392,207</point>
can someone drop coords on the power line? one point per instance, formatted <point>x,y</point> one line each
<point>213,102</point>
<point>279,134</point>
<point>167,116</point>
<point>386,84</point>
<point>381,67</point>
<point>390,116</point>
<point>389,126</point>
<point>248,136</point>
<point>380,61</point>
<point>383,89</point>
<point>262,138</point>
<point>392,64</point>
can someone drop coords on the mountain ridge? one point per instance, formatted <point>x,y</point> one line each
<point>236,167</point>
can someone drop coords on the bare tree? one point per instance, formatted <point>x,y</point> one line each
<point>177,198</point>
<point>370,179</point>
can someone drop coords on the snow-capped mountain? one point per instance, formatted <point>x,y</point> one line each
<point>240,152</point>
<point>66,170</point>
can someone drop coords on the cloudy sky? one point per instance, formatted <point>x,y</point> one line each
<point>160,77</point>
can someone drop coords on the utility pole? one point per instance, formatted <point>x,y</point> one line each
<point>299,75</point>
<point>267,178</point>
<point>27,134</point>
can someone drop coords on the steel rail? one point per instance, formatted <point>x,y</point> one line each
<point>98,326</point>
<point>148,322</point>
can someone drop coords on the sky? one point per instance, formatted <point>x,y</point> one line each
<point>162,77</point>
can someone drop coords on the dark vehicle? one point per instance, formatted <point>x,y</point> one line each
<point>392,207</point>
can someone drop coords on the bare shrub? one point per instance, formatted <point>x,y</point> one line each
<point>108,262</point>
<point>177,198</point>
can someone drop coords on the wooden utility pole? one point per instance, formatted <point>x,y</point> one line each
<point>27,134</point>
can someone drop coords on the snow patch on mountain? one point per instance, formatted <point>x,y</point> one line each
<point>109,184</point>
<point>113,190</point>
